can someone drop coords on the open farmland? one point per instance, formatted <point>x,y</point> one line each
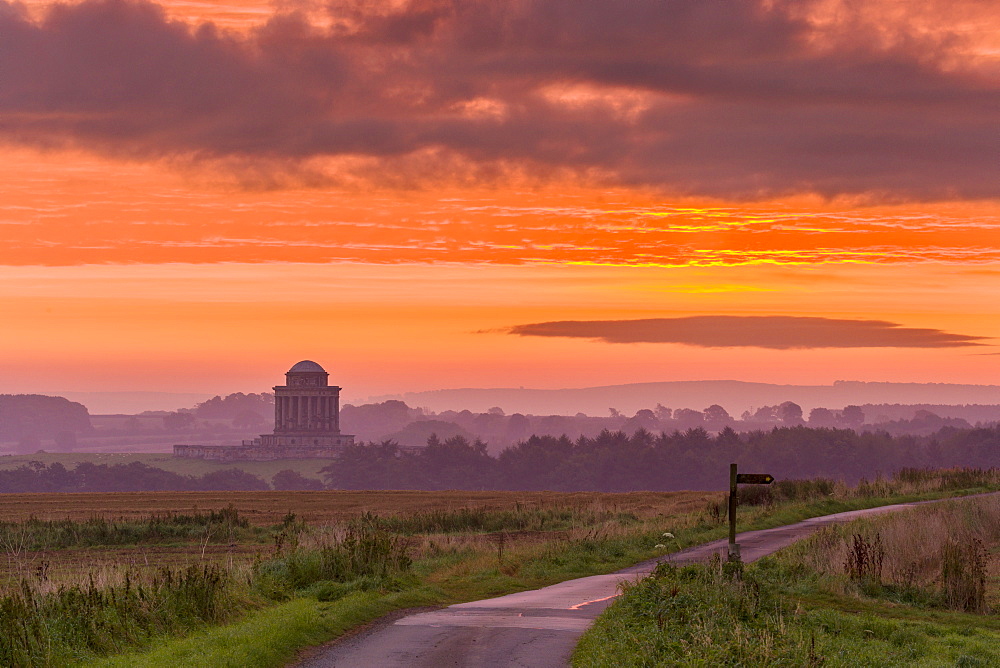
<point>245,551</point>
<point>62,539</point>
<point>335,559</point>
<point>267,508</point>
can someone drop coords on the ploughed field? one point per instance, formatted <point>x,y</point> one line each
<point>265,508</point>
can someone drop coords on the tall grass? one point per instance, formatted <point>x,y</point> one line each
<point>773,616</point>
<point>489,520</point>
<point>44,625</point>
<point>225,524</point>
<point>40,628</point>
<point>938,554</point>
<point>360,549</point>
<point>905,482</point>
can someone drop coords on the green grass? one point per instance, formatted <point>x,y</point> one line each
<point>781,612</point>
<point>704,616</point>
<point>272,636</point>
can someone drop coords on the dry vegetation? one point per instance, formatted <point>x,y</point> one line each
<point>914,588</point>
<point>944,550</point>
<point>479,524</point>
<point>265,508</point>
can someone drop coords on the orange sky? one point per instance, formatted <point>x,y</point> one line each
<point>124,267</point>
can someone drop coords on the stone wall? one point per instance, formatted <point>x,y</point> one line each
<point>255,453</point>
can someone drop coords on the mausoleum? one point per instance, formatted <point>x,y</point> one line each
<point>306,423</point>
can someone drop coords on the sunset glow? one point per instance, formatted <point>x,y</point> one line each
<point>195,195</point>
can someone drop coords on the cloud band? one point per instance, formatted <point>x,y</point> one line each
<point>776,332</point>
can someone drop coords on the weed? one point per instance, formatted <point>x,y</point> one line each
<point>963,575</point>
<point>865,559</point>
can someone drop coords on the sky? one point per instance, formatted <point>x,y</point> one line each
<point>423,194</point>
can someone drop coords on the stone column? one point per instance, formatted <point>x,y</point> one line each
<point>277,413</point>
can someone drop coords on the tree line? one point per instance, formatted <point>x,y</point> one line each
<point>131,477</point>
<point>612,461</point>
<point>615,461</point>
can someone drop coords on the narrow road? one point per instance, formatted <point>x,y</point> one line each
<point>531,629</point>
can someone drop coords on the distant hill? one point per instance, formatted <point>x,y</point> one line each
<point>736,396</point>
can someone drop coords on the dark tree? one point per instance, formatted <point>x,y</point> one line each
<point>178,421</point>
<point>790,413</point>
<point>716,414</point>
<point>822,417</point>
<point>852,416</point>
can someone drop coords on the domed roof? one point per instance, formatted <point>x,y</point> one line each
<point>307,366</point>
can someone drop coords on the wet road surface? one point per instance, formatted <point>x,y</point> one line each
<point>530,629</point>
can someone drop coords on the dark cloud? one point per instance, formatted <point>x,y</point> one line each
<point>735,99</point>
<point>778,332</point>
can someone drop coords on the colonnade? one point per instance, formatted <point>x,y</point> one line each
<point>307,413</point>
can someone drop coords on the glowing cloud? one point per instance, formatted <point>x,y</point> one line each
<point>777,332</point>
<point>748,99</point>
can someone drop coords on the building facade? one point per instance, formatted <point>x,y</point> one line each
<point>306,423</point>
<point>306,410</point>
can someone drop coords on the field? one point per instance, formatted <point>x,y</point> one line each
<point>207,542</point>
<point>270,546</point>
<point>266,508</point>
<point>155,568</point>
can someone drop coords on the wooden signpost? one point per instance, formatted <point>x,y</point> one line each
<point>740,479</point>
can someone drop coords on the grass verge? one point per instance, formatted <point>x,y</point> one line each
<point>272,636</point>
<point>861,594</point>
<point>702,615</point>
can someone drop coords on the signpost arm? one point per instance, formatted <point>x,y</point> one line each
<point>733,550</point>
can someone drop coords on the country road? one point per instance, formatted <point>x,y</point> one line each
<point>537,628</point>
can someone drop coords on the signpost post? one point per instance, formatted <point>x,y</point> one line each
<point>734,548</point>
<point>734,480</point>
